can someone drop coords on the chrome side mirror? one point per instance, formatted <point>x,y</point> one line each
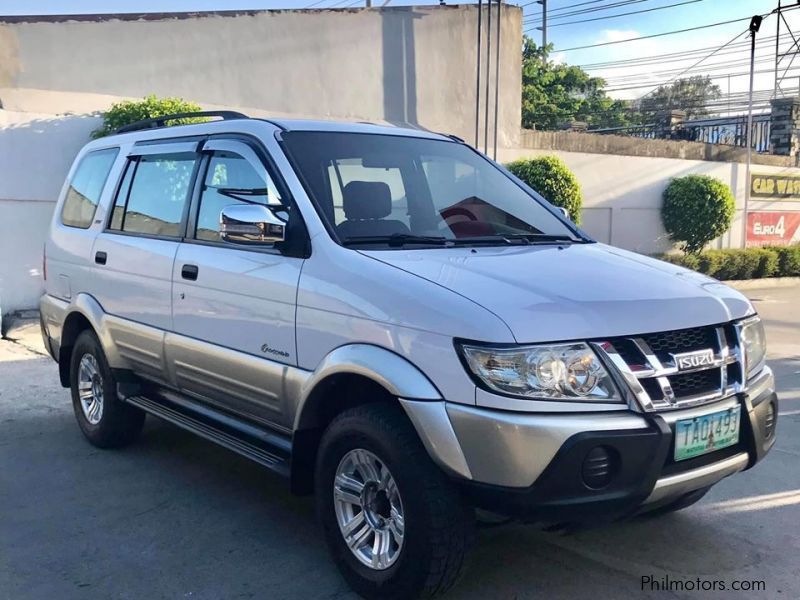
<point>564,212</point>
<point>250,224</point>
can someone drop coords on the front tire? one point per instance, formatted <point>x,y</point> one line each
<point>105,420</point>
<point>395,525</point>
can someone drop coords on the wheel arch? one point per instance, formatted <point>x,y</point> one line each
<point>358,374</point>
<point>83,313</point>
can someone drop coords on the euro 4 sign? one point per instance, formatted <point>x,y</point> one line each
<point>772,228</point>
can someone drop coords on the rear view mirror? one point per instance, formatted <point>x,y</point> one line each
<point>250,224</point>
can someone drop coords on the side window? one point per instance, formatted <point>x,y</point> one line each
<point>156,197</point>
<point>86,186</point>
<point>231,179</point>
<point>345,170</point>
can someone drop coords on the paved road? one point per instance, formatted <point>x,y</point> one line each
<point>175,517</point>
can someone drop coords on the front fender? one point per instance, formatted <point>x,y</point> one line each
<point>393,372</point>
<point>419,398</point>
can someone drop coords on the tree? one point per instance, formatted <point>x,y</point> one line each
<point>690,94</point>
<point>554,94</point>
<point>130,111</point>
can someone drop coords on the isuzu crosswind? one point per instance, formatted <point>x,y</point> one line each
<point>400,327</point>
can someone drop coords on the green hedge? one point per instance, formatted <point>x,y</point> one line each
<point>551,177</point>
<point>130,111</point>
<point>748,263</point>
<point>696,209</point>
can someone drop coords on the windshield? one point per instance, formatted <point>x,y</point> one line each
<point>395,190</point>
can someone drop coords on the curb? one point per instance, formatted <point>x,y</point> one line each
<point>760,284</point>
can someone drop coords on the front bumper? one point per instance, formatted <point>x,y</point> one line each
<point>530,466</point>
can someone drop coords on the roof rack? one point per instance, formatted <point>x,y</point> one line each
<point>157,122</point>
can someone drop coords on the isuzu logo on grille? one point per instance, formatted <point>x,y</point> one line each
<point>693,360</point>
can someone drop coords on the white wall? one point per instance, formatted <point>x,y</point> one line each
<point>409,64</point>
<point>622,195</point>
<point>36,151</point>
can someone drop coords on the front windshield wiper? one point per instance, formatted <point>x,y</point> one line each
<point>396,239</point>
<point>541,237</point>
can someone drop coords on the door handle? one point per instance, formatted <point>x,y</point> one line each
<point>100,258</point>
<point>189,272</point>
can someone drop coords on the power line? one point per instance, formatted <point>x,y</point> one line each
<point>665,83</point>
<point>584,11</point>
<point>634,12</point>
<point>563,8</point>
<point>654,35</point>
<point>673,56</point>
<point>705,58</point>
<point>708,69</point>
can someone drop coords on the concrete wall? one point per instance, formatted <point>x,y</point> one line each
<point>404,65</point>
<point>412,65</point>
<point>622,195</point>
<point>36,151</point>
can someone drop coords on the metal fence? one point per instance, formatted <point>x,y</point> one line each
<point>728,131</point>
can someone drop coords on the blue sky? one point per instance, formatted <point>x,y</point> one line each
<point>696,13</point>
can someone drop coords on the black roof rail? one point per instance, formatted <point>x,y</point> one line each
<point>157,122</point>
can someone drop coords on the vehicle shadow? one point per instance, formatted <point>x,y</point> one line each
<point>175,516</point>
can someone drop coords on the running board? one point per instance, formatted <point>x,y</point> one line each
<point>274,457</point>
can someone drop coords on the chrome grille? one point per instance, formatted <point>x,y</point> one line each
<point>648,366</point>
<point>699,382</point>
<point>683,340</point>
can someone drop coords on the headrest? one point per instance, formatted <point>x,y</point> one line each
<point>366,200</point>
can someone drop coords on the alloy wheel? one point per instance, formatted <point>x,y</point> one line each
<point>369,509</point>
<point>90,389</point>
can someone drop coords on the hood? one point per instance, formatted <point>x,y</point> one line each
<point>579,291</point>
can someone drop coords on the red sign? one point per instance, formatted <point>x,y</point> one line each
<point>772,228</point>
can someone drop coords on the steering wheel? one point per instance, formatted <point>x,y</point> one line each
<point>457,211</point>
<point>448,216</point>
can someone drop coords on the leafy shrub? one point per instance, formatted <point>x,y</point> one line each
<point>696,209</point>
<point>788,261</point>
<point>551,177</point>
<point>710,262</point>
<point>767,262</point>
<point>130,111</point>
<point>688,261</point>
<point>736,263</point>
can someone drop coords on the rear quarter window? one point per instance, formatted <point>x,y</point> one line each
<point>86,186</point>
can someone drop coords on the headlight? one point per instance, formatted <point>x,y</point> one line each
<point>754,345</point>
<point>553,372</point>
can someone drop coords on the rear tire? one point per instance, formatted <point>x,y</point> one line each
<point>105,420</point>
<point>417,517</point>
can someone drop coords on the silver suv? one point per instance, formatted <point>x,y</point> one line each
<point>397,324</point>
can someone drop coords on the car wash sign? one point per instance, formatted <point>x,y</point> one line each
<point>774,187</point>
<point>772,228</point>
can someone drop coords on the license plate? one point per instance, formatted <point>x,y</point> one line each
<point>701,435</point>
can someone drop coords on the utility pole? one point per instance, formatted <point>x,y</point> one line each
<point>777,48</point>
<point>478,80</point>
<point>755,24</point>
<point>496,80</point>
<point>488,72</point>
<point>544,21</point>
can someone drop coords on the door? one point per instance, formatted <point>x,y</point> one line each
<point>234,306</point>
<point>133,257</point>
